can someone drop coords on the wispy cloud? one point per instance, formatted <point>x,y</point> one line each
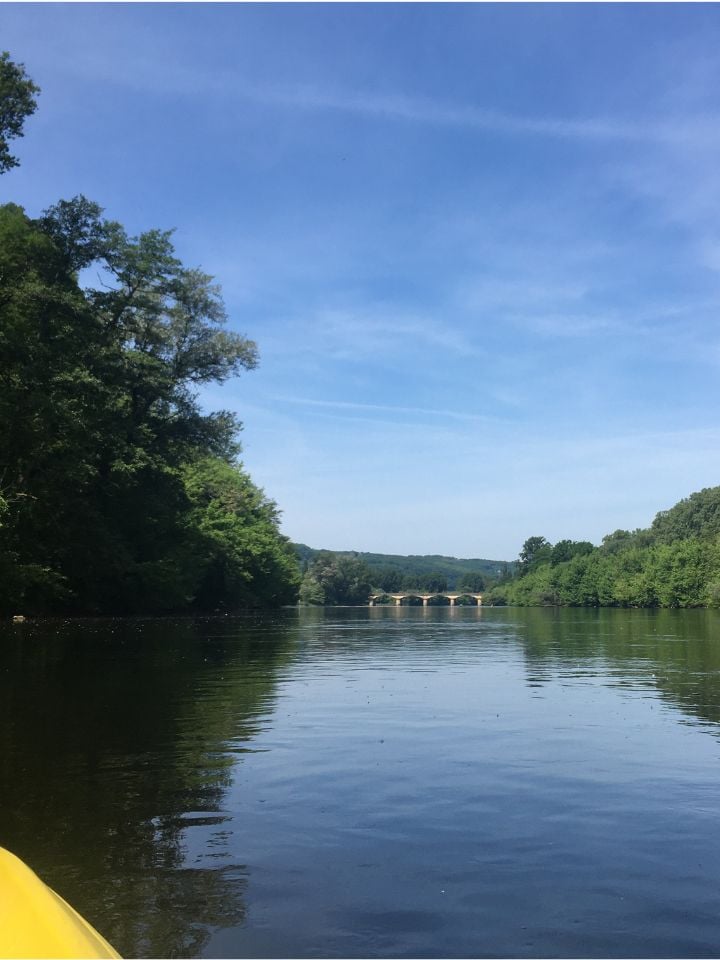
<point>346,405</point>
<point>369,329</point>
<point>672,129</point>
<point>141,70</point>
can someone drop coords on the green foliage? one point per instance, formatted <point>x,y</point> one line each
<point>117,492</point>
<point>535,550</point>
<point>697,516</point>
<point>104,449</point>
<point>389,579</point>
<point>336,579</point>
<point>389,571</point>
<point>311,591</point>
<point>472,582</point>
<point>565,550</point>
<point>425,582</point>
<point>240,557</point>
<point>675,563</point>
<point>17,103</point>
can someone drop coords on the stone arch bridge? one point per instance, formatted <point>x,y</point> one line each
<point>452,596</point>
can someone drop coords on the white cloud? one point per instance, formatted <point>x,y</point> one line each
<point>678,129</point>
<point>393,409</point>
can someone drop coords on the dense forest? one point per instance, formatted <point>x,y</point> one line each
<point>337,578</point>
<point>118,492</point>
<point>673,563</point>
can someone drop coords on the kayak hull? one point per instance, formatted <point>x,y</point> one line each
<point>35,922</point>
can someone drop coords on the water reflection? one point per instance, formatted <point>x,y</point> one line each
<point>116,739</point>
<point>675,653</point>
<point>372,782</point>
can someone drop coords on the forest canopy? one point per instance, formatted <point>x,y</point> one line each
<point>118,492</point>
<point>673,563</point>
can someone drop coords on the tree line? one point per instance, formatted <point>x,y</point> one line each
<point>673,563</point>
<point>342,579</point>
<point>118,492</point>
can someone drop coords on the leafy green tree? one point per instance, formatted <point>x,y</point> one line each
<point>565,550</point>
<point>311,591</point>
<point>100,423</point>
<point>387,578</point>
<point>534,551</point>
<point>472,582</point>
<point>435,582</point>
<point>341,579</point>
<point>17,103</point>
<point>412,581</point>
<point>614,542</point>
<point>697,516</point>
<point>117,492</point>
<point>683,573</point>
<point>238,554</point>
<point>50,403</point>
<point>625,539</point>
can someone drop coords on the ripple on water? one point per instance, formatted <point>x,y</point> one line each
<point>374,783</point>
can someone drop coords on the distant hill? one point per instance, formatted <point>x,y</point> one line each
<point>452,567</point>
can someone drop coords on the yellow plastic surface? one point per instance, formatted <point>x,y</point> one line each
<point>36,923</point>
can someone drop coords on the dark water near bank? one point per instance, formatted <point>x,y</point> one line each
<point>373,783</point>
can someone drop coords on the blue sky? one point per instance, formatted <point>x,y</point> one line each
<point>478,245</point>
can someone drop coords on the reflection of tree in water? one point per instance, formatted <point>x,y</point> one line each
<point>676,652</point>
<point>116,740</point>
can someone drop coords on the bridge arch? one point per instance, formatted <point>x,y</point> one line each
<point>451,595</point>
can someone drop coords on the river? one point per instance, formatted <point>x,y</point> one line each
<point>372,782</point>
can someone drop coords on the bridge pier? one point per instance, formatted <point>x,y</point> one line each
<point>452,598</point>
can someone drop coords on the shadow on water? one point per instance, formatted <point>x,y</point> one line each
<point>116,739</point>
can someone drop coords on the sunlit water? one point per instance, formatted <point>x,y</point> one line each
<point>373,782</point>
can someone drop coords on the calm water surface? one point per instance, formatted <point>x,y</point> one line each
<point>373,782</point>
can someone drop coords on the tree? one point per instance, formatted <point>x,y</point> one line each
<point>118,493</point>
<point>696,516</point>
<point>101,421</point>
<point>472,582</point>
<point>237,551</point>
<point>565,550</point>
<point>311,592</point>
<point>341,579</point>
<point>616,541</point>
<point>17,103</point>
<point>535,550</point>
<point>387,578</point>
<point>50,398</point>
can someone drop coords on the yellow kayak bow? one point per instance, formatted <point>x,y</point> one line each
<point>37,924</point>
